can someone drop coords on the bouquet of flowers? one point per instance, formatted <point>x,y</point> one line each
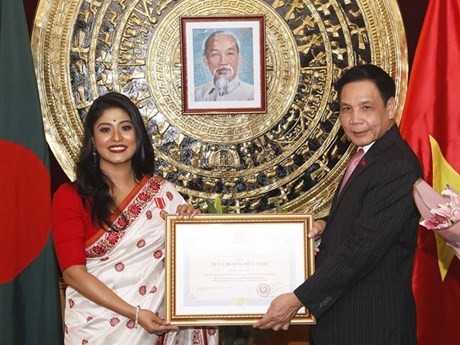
<point>441,212</point>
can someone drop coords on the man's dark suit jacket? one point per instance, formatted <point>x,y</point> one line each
<point>361,292</point>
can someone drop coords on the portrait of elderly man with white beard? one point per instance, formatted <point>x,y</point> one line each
<point>222,56</point>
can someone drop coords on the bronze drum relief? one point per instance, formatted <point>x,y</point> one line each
<point>293,155</point>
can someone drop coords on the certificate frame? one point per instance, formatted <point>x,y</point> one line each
<point>212,249</point>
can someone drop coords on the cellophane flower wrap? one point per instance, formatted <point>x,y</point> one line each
<point>440,212</point>
<point>445,215</point>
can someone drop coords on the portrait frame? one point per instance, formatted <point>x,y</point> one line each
<point>199,96</point>
<point>221,269</point>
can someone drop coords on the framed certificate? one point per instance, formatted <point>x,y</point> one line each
<point>226,269</point>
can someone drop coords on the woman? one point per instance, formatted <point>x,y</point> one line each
<point>108,231</point>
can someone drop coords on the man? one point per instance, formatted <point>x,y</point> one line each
<point>361,290</point>
<point>221,55</point>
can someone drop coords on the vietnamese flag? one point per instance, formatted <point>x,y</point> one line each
<point>431,125</point>
<point>29,286</point>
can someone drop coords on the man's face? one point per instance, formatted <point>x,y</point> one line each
<point>223,57</point>
<point>363,115</point>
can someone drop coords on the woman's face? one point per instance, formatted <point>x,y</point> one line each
<point>114,139</point>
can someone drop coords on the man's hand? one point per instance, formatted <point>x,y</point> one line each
<point>280,313</point>
<point>316,231</point>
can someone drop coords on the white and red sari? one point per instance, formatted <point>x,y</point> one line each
<point>130,261</point>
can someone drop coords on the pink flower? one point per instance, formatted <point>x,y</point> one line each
<point>114,321</point>
<point>439,220</point>
<point>98,250</point>
<point>158,254</point>
<point>429,224</point>
<point>143,196</point>
<point>445,215</point>
<point>212,331</point>
<point>130,324</point>
<point>113,237</point>
<point>135,209</point>
<point>119,266</point>
<point>122,221</point>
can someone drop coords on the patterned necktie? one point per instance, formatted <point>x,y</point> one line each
<point>351,166</point>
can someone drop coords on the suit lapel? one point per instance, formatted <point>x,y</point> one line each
<point>380,145</point>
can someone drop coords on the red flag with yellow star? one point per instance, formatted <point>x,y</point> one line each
<point>431,125</point>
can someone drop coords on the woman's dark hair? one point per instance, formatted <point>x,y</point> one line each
<point>385,84</point>
<point>92,185</point>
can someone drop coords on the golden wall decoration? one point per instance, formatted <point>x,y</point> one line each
<point>293,155</point>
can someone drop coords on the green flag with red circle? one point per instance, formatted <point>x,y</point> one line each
<point>29,286</point>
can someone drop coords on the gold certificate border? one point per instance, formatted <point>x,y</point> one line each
<point>172,222</point>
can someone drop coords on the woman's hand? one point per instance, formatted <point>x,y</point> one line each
<point>153,323</point>
<point>187,211</point>
<point>316,232</point>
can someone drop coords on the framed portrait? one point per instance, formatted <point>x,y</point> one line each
<point>223,65</point>
<point>226,269</point>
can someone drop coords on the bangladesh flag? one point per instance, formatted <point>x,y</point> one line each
<point>29,287</point>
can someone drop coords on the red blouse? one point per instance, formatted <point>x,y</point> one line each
<point>71,227</point>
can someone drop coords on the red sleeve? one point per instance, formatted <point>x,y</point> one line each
<point>68,227</point>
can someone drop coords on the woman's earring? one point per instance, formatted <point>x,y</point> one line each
<point>93,151</point>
